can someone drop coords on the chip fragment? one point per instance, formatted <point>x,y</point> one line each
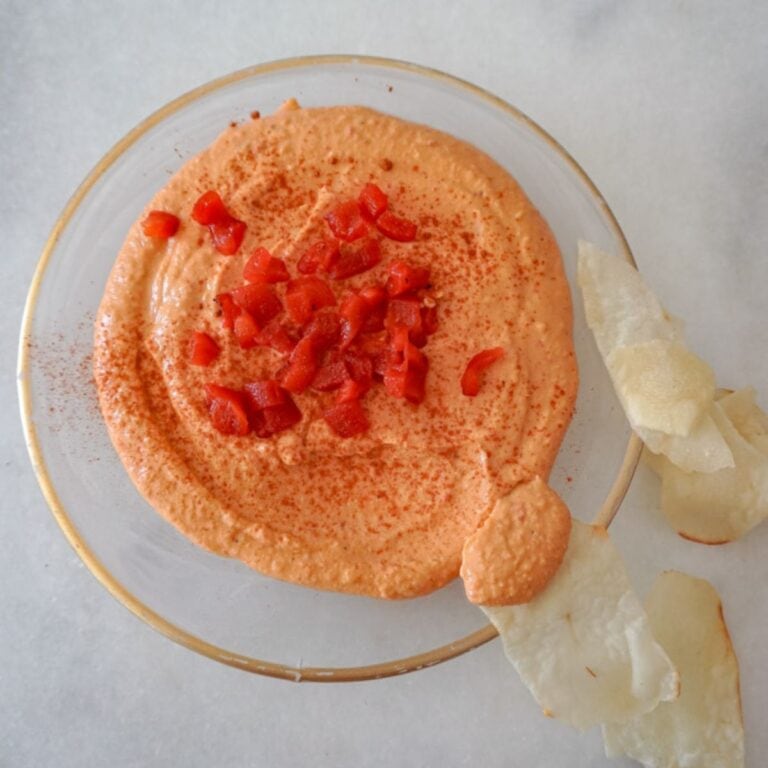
<point>718,507</point>
<point>666,391</point>
<point>583,646</point>
<point>703,727</point>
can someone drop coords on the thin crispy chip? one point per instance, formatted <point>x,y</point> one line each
<point>583,646</point>
<point>620,308</point>
<point>703,727</point>
<point>662,385</point>
<point>703,450</point>
<point>631,327</point>
<point>745,414</point>
<point>718,507</point>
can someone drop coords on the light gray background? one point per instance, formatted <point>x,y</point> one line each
<point>664,104</point>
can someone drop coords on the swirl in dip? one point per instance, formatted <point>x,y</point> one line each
<point>385,513</point>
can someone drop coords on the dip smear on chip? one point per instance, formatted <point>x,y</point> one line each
<point>385,512</point>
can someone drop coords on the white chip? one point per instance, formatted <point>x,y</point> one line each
<point>662,385</point>
<point>620,308</point>
<point>717,507</point>
<point>666,391</point>
<point>583,646</point>
<point>703,727</point>
<point>703,450</point>
<point>745,414</point>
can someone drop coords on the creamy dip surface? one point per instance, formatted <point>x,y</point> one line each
<point>386,513</point>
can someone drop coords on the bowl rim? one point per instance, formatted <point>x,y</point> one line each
<point>375,671</point>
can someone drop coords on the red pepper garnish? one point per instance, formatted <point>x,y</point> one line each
<point>229,310</point>
<point>265,394</point>
<point>227,237</point>
<point>353,261</point>
<point>160,224</point>
<point>429,321</point>
<point>203,350</point>
<point>320,256</point>
<point>302,366</point>
<point>403,278</point>
<point>407,311</point>
<point>246,329</point>
<point>272,408</point>
<point>324,330</point>
<point>227,232</point>
<point>227,409</point>
<point>263,267</point>
<point>407,371</point>
<point>373,201</point>
<point>330,376</point>
<point>306,295</point>
<point>396,228</point>
<point>209,209</point>
<point>346,221</point>
<point>360,371</point>
<point>276,335</point>
<point>354,310</point>
<point>470,381</point>
<point>258,299</point>
<point>347,419</point>
<point>376,296</point>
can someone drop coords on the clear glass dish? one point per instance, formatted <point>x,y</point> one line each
<point>214,605</point>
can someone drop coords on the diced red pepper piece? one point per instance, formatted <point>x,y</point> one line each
<point>375,295</point>
<point>302,366</point>
<point>470,381</point>
<point>407,371</point>
<point>354,311</point>
<point>330,376</point>
<point>407,311</point>
<point>320,256</point>
<point>404,278</point>
<point>276,335</point>
<point>347,419</point>
<point>281,417</point>
<point>209,209</point>
<point>324,330</point>
<point>381,357</point>
<point>353,261</point>
<point>266,393</point>
<point>160,224</point>
<point>306,295</point>
<point>258,299</point>
<point>404,311</point>
<point>263,267</point>
<point>373,201</point>
<point>351,390</point>
<point>227,237</point>
<point>375,320</point>
<point>246,329</point>
<point>346,221</point>
<point>410,384</point>
<point>227,232</point>
<point>203,350</point>
<point>229,310</point>
<point>272,409</point>
<point>360,368</point>
<point>227,409</point>
<point>396,228</point>
<point>429,322</point>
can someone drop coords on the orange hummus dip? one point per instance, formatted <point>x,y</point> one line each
<point>386,513</point>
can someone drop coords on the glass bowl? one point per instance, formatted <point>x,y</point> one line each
<point>218,606</point>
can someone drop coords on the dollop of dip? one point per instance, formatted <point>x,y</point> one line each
<point>385,513</point>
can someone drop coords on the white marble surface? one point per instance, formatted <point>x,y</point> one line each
<point>666,106</point>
